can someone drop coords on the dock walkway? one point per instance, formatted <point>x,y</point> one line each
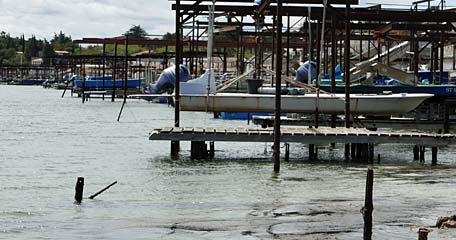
<point>302,135</point>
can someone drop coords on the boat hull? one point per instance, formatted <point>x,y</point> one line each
<point>328,103</point>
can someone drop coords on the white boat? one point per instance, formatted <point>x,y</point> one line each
<point>361,104</point>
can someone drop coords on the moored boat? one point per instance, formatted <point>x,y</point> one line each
<point>362,104</point>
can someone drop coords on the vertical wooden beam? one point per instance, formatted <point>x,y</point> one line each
<point>278,89</point>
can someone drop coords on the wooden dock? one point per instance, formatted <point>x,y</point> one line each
<point>320,135</point>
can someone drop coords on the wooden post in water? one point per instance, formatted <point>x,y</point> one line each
<point>198,150</point>
<point>416,153</point>
<point>368,205</point>
<point>175,146</point>
<point>79,190</point>
<point>423,233</point>
<point>211,149</point>
<point>434,156</point>
<point>422,151</point>
<point>278,89</point>
<point>287,152</point>
<point>311,152</point>
<point>353,151</point>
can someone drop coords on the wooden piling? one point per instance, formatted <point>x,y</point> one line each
<point>175,148</point>
<point>434,156</point>
<point>287,152</point>
<point>371,153</point>
<point>416,153</point>
<point>353,151</point>
<point>368,205</point>
<point>198,150</point>
<point>211,149</point>
<point>347,151</point>
<point>423,233</point>
<point>311,152</point>
<point>79,190</point>
<point>422,151</point>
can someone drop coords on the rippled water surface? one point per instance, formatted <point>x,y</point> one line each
<point>46,142</point>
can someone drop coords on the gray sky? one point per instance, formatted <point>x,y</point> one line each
<point>84,18</point>
<point>95,18</point>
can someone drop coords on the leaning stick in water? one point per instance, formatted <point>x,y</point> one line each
<point>102,190</point>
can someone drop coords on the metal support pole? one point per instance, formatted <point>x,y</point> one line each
<point>104,67</point>
<point>125,84</point>
<point>432,69</point>
<point>278,89</point>
<point>114,73</point>
<point>442,58</point>
<point>175,144</point>
<point>333,64</point>
<point>287,71</point>
<point>347,73</point>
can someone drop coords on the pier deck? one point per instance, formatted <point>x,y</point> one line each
<point>302,135</point>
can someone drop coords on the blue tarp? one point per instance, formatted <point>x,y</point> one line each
<point>302,74</point>
<point>167,79</point>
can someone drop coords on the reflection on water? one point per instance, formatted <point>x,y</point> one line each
<point>47,142</point>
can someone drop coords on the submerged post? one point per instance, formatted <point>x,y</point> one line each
<point>175,144</point>
<point>368,205</point>
<point>102,190</point>
<point>79,190</point>
<point>278,89</point>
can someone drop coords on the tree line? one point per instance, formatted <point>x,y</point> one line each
<point>17,50</point>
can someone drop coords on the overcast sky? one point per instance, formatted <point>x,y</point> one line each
<point>95,18</point>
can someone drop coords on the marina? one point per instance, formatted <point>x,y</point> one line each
<point>348,130</point>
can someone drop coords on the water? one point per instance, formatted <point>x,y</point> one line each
<point>47,142</point>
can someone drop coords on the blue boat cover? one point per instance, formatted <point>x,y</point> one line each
<point>302,74</point>
<point>167,79</point>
